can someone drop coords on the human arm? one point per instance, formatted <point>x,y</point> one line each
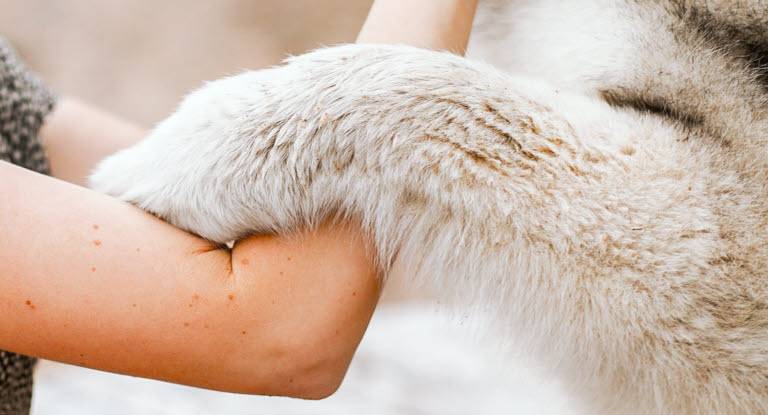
<point>64,292</point>
<point>153,342</point>
<point>89,280</point>
<point>76,136</point>
<point>436,24</point>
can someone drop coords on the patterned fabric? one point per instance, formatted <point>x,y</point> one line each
<point>15,383</point>
<point>24,103</point>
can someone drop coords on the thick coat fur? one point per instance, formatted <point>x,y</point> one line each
<point>601,189</point>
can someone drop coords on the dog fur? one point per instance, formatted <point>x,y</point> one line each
<point>598,184</point>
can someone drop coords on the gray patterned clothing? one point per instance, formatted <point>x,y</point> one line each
<point>24,103</point>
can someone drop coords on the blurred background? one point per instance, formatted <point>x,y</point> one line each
<point>137,59</point>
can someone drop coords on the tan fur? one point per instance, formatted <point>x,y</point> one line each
<point>611,214</point>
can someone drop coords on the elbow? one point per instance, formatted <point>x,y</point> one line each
<point>316,392</point>
<point>324,387</point>
<point>311,373</point>
<point>316,375</point>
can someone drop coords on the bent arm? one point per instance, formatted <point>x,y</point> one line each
<point>436,24</point>
<point>89,280</point>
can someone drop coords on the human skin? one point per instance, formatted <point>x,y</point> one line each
<point>435,24</point>
<point>89,280</point>
<point>76,136</point>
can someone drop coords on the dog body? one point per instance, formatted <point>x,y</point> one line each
<point>601,189</point>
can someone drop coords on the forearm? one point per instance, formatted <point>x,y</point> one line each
<point>435,24</point>
<point>89,280</point>
<point>77,136</point>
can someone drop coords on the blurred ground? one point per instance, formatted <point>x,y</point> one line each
<point>137,59</point>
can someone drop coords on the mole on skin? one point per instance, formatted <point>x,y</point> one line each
<point>97,243</point>
<point>245,261</point>
<point>95,226</point>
